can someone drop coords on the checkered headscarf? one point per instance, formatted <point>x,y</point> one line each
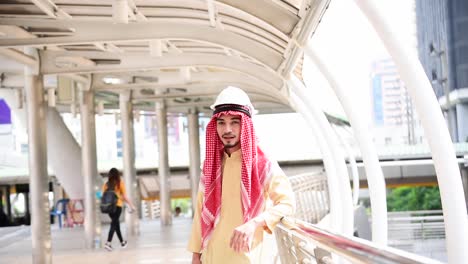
<point>255,173</point>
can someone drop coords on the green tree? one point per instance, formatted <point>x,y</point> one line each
<point>183,203</point>
<point>414,199</point>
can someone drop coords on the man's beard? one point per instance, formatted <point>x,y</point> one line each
<point>231,145</point>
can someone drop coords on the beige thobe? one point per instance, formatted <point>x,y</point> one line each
<point>279,202</point>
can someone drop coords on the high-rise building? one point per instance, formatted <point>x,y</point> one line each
<point>394,118</point>
<point>442,31</point>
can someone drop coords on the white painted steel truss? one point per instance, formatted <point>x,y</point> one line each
<point>214,43</point>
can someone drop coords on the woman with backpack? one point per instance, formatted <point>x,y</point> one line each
<point>116,186</point>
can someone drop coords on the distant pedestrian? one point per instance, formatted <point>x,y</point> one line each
<point>117,185</point>
<point>178,211</point>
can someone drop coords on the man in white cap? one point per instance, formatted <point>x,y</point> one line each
<point>237,182</point>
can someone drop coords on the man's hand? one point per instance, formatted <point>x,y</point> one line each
<point>196,258</point>
<point>241,239</point>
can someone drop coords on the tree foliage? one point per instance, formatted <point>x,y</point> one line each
<point>183,203</point>
<point>414,199</point>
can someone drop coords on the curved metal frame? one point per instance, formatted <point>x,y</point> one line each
<point>343,188</point>
<point>374,172</point>
<point>155,29</point>
<point>435,129</point>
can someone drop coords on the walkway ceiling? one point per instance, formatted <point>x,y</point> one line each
<point>180,51</point>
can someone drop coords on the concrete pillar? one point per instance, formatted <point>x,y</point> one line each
<point>450,116</point>
<point>138,213</point>
<point>2,192</point>
<point>163,169</point>
<point>459,118</point>
<point>464,175</point>
<point>37,142</point>
<point>194,150</point>
<point>8,202</point>
<point>129,172</point>
<point>27,206</point>
<point>89,169</point>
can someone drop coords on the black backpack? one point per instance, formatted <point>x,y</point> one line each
<point>109,201</point>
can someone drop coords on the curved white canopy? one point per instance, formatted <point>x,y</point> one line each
<point>185,51</point>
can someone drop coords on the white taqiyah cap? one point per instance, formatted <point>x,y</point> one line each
<point>233,95</point>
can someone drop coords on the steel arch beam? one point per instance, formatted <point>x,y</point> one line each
<point>204,90</point>
<point>198,80</point>
<point>201,94</point>
<point>84,32</point>
<point>135,62</point>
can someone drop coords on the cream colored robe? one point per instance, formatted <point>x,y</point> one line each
<point>279,202</point>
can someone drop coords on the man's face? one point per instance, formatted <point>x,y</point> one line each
<point>228,128</point>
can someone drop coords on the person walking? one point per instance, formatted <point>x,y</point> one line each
<point>117,185</point>
<point>242,194</point>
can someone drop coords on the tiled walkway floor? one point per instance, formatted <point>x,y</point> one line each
<point>156,244</point>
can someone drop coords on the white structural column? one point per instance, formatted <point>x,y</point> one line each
<point>39,185</point>
<point>129,171</point>
<point>435,129</point>
<point>194,150</point>
<point>354,168</point>
<point>342,178</point>
<point>89,169</point>
<point>374,172</point>
<point>336,211</point>
<point>163,169</point>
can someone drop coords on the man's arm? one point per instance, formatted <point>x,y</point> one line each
<point>196,258</point>
<point>280,192</point>
<point>242,236</point>
<point>283,198</point>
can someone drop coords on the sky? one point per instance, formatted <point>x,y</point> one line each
<point>346,40</point>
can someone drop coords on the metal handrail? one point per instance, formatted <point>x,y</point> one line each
<point>301,242</point>
<point>306,174</point>
<point>415,225</point>
<point>415,213</point>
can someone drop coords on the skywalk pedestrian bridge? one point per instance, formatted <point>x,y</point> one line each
<point>163,57</point>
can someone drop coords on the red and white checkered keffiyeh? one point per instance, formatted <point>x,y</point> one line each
<point>255,172</point>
